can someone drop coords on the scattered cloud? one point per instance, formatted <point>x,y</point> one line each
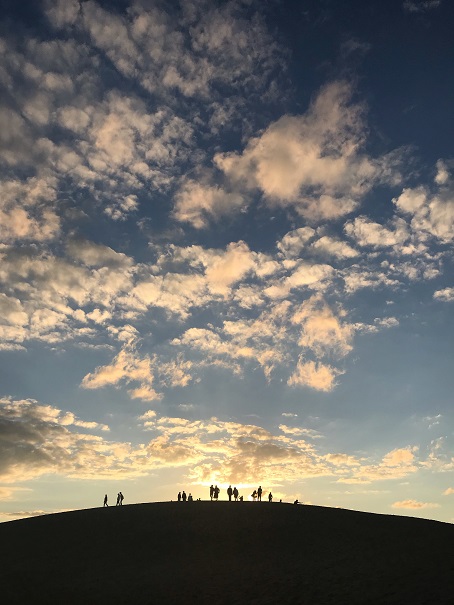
<point>312,163</point>
<point>445,295</point>
<point>414,504</point>
<point>420,6</point>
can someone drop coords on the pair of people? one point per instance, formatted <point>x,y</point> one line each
<point>214,492</point>
<point>257,494</point>
<point>232,492</point>
<point>120,499</point>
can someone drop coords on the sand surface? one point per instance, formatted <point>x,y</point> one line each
<point>221,552</point>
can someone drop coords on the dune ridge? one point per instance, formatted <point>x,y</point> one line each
<point>221,552</point>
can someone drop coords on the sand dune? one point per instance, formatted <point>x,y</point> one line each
<point>208,552</point>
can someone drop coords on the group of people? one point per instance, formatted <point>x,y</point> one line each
<point>257,495</point>
<point>214,495</point>
<point>120,499</point>
<point>182,497</point>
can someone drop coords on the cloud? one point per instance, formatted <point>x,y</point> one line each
<point>445,295</point>
<point>414,504</point>
<point>126,367</point>
<point>334,247</point>
<point>295,241</point>
<point>196,203</point>
<point>27,210</point>
<point>420,6</point>
<point>369,233</point>
<point>431,209</point>
<point>321,331</point>
<point>312,163</point>
<point>449,491</point>
<point>396,464</point>
<point>37,439</point>
<point>314,375</point>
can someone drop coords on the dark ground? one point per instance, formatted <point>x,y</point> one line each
<point>221,552</point>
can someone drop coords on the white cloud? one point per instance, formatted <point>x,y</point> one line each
<point>448,492</point>
<point>312,162</point>
<point>414,504</point>
<point>27,210</point>
<point>313,276</point>
<point>295,241</point>
<point>196,203</point>
<point>315,375</point>
<point>321,331</point>
<point>369,233</point>
<point>445,295</point>
<point>432,213</point>
<point>127,367</point>
<point>334,247</point>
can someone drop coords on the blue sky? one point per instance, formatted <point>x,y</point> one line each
<point>226,253</point>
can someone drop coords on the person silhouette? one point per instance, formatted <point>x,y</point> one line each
<point>254,495</point>
<point>118,499</point>
<point>120,495</point>
<point>229,492</point>
<point>216,492</point>
<point>235,493</point>
<point>270,497</point>
<point>259,493</point>
<point>190,499</point>
<point>105,501</point>
<point>296,502</point>
<point>183,496</point>
<point>211,492</point>
<point>179,496</point>
<point>241,498</point>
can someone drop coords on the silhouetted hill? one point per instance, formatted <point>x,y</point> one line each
<point>221,552</point>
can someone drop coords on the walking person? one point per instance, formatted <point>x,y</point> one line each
<point>121,498</point>
<point>105,501</point>
<point>118,499</point>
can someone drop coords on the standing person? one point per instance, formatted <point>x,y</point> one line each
<point>229,492</point>
<point>235,493</point>
<point>211,492</point>
<point>259,493</point>
<point>270,497</point>
<point>105,501</point>
<point>216,492</point>
<point>121,498</point>
<point>179,496</point>
<point>118,499</point>
<point>190,498</point>
<point>183,496</point>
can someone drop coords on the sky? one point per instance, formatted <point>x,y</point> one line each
<point>226,241</point>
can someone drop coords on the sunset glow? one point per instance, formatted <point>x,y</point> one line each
<point>226,252</point>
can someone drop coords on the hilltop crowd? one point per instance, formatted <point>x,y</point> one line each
<point>231,493</point>
<point>214,495</point>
